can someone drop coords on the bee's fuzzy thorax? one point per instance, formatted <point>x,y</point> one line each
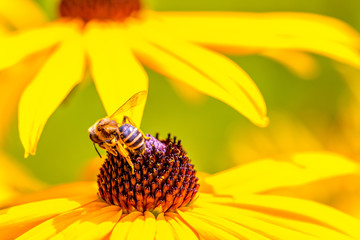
<point>164,178</point>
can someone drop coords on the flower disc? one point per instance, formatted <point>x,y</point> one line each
<point>164,178</point>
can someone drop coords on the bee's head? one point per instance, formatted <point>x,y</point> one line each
<point>91,129</point>
<point>92,133</point>
<point>105,122</point>
<point>97,127</point>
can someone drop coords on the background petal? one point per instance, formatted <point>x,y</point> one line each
<point>351,76</point>
<point>85,189</point>
<point>188,93</point>
<point>15,180</point>
<point>302,64</point>
<point>269,174</point>
<point>18,45</point>
<point>233,31</point>
<point>59,75</point>
<point>13,81</point>
<point>204,70</point>
<point>116,72</point>
<point>22,13</point>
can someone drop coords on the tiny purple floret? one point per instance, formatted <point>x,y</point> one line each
<point>159,146</point>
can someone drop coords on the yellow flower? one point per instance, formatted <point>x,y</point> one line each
<point>161,201</point>
<point>176,44</point>
<point>286,136</point>
<point>12,14</point>
<point>14,178</point>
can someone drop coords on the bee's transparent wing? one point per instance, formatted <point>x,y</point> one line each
<point>125,109</point>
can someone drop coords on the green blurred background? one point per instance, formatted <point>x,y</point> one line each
<point>65,149</point>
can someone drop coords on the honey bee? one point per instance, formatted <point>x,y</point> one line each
<point>123,139</point>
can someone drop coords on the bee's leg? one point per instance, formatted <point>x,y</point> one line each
<point>126,118</point>
<point>125,154</point>
<point>144,136</point>
<point>108,148</point>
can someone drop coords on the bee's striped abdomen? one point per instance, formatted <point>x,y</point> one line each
<point>125,131</point>
<point>132,137</point>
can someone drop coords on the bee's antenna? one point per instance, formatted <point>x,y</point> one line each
<point>97,151</point>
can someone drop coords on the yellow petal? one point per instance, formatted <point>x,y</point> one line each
<point>164,230</point>
<point>309,228</point>
<point>143,227</point>
<point>24,217</point>
<point>122,228</point>
<point>57,224</point>
<point>204,70</point>
<point>49,228</point>
<point>266,223</point>
<point>59,75</point>
<point>182,230</point>
<point>136,230</point>
<point>232,32</point>
<point>92,224</point>
<point>251,229</point>
<point>300,63</point>
<point>17,46</point>
<point>269,174</point>
<point>150,225</point>
<point>12,84</point>
<point>299,209</point>
<point>116,72</point>
<point>22,13</point>
<point>205,229</point>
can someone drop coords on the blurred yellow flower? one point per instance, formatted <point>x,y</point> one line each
<point>14,178</point>
<point>230,205</point>
<point>20,14</point>
<point>288,135</point>
<point>114,44</point>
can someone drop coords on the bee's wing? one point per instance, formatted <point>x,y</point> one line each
<point>125,109</point>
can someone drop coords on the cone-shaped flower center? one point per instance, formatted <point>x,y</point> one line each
<point>164,178</point>
<point>116,10</point>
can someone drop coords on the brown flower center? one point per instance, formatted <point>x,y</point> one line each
<point>116,10</point>
<point>164,178</point>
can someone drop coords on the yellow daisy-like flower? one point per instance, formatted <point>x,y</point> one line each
<point>113,38</point>
<point>14,178</point>
<point>161,201</point>
<point>287,136</point>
